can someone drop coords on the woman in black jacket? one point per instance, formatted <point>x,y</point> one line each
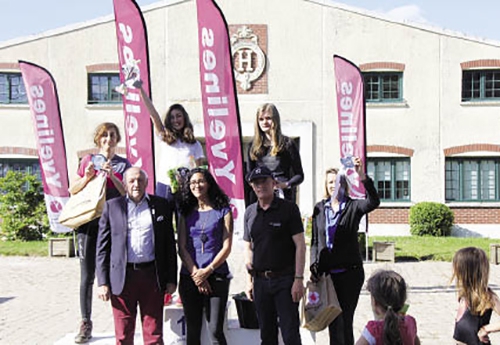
<point>335,247</point>
<point>276,151</point>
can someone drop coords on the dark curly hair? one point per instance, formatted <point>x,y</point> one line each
<point>216,195</point>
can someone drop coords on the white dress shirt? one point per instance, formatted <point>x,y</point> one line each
<point>140,234</point>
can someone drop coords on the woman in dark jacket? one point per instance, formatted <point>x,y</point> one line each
<point>335,246</point>
<point>276,151</point>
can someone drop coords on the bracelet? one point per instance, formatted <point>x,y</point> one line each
<point>212,268</point>
<point>299,277</point>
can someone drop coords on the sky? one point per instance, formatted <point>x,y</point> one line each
<point>478,18</point>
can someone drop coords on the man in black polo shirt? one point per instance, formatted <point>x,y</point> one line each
<point>275,258</point>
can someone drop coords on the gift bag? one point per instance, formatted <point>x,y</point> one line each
<point>320,305</point>
<point>86,205</point>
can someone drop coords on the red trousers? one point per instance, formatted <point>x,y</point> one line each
<point>141,288</point>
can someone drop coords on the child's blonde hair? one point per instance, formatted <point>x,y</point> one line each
<point>471,270</point>
<point>388,289</point>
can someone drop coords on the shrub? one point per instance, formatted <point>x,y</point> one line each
<point>431,218</point>
<point>22,208</point>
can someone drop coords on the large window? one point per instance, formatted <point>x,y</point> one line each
<point>383,86</point>
<point>12,88</point>
<point>102,88</point>
<point>480,85</point>
<point>472,179</point>
<point>391,177</point>
<point>30,165</point>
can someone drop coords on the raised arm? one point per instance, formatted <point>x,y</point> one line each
<point>153,113</point>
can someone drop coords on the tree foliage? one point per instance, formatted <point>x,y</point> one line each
<point>23,214</point>
<point>431,218</point>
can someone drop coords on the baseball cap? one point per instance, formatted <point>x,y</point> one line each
<point>259,172</point>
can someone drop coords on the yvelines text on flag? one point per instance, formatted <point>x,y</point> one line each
<point>133,55</point>
<point>44,105</point>
<point>220,108</point>
<point>351,119</point>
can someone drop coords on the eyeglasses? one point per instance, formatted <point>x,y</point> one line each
<point>197,182</point>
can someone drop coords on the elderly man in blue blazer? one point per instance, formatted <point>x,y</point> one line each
<point>136,259</point>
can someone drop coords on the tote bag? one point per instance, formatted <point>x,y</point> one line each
<point>320,305</point>
<point>86,205</point>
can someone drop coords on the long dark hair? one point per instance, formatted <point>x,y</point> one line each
<point>216,195</point>
<point>388,289</point>
<point>171,135</point>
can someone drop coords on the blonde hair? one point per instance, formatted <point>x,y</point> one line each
<point>104,127</point>
<point>471,270</point>
<point>329,171</point>
<point>277,139</point>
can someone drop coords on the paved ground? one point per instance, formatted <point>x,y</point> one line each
<point>39,299</point>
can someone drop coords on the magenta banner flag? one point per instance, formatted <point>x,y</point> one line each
<point>220,107</point>
<point>134,60</point>
<point>44,105</point>
<point>351,118</point>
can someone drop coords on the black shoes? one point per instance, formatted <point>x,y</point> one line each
<point>85,333</point>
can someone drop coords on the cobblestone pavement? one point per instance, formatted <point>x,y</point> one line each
<point>39,299</point>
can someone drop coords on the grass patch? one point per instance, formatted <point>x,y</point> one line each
<point>18,248</point>
<point>421,248</point>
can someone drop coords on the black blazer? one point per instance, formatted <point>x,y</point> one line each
<point>345,252</point>
<point>111,253</point>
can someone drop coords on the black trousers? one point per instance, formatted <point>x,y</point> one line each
<point>193,303</point>
<point>87,243</point>
<point>348,286</point>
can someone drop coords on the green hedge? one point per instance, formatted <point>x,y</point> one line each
<point>431,219</point>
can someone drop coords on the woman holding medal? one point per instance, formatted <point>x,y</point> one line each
<point>205,234</point>
<point>335,246</point>
<point>106,137</point>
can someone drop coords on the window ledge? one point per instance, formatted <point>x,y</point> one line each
<point>402,104</point>
<point>395,204</point>
<point>478,204</point>
<point>14,106</point>
<point>481,104</point>
<point>109,106</point>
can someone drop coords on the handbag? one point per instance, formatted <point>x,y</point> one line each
<point>320,305</point>
<point>86,205</point>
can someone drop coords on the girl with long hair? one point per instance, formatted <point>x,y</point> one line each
<point>276,151</point>
<point>476,301</point>
<point>391,326</point>
<point>205,234</point>
<point>178,150</point>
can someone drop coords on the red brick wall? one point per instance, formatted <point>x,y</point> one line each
<point>389,215</point>
<point>383,65</point>
<point>480,64</point>
<point>390,149</point>
<point>471,148</point>
<point>463,215</point>
<point>11,150</point>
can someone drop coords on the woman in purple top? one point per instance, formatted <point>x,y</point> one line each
<point>205,234</point>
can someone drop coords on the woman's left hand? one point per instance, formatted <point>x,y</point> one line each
<point>205,288</point>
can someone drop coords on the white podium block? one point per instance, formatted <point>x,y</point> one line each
<point>174,329</point>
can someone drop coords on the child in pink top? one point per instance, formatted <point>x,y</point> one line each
<point>391,326</point>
